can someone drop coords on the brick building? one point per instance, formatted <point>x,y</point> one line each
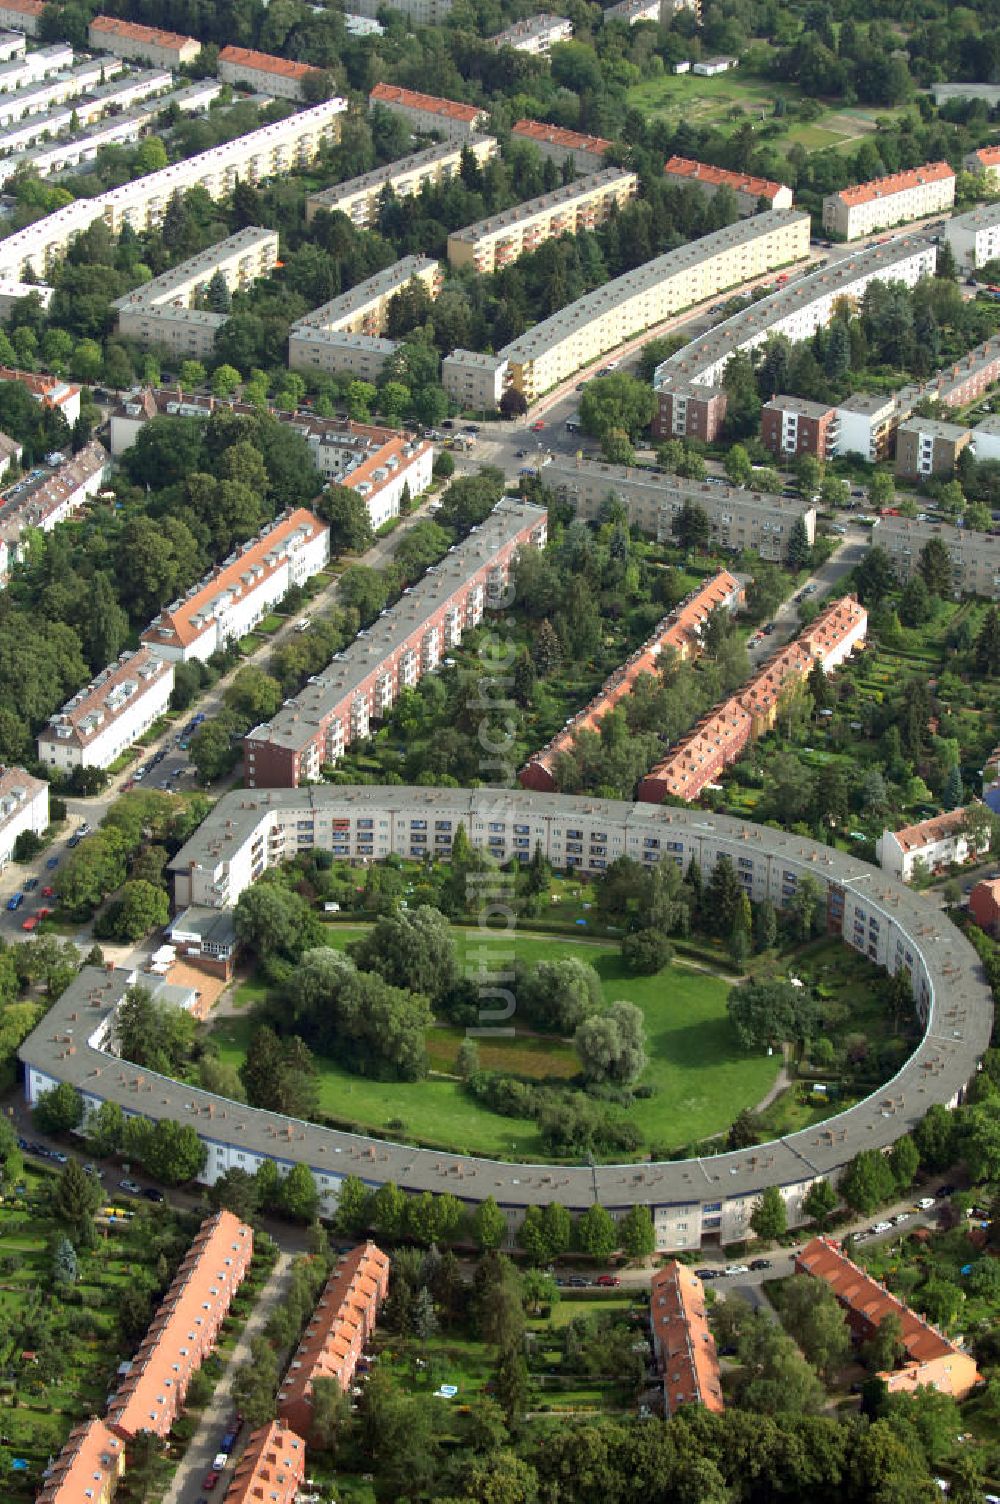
<point>790,426</point>
<point>984,905</point>
<point>687,411</point>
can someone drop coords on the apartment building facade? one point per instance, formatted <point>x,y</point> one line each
<point>264,72</point>
<point>737,519</point>
<point>975,557</point>
<point>184,1330</point>
<point>984,163</point>
<point>108,715</point>
<point>964,381</point>
<point>475,380</point>
<point>790,426</point>
<point>360,198</point>
<point>142,44</point>
<point>361,684</point>
<point>29,68</point>
<point>536,35</point>
<point>494,243</point>
<point>986,438</point>
<point>930,1359</point>
<point>601,320</point>
<point>926,447</point>
<point>164,312</point>
<point>679,633</point>
<point>12,44</point>
<point>428,112</point>
<point>22,15</point>
<point>866,425</point>
<point>687,411</point>
<point>24,805</point>
<point>39,98</point>
<point>974,237</point>
<point>683,1345</point>
<point>335,1337</point>
<point>720,738</point>
<point>420,12</point>
<point>931,845</point>
<point>889,201</point>
<point>239,593</point>
<point>984,905</point>
<point>90,1467</point>
<point>560,145</point>
<point>50,495</point>
<point>267,152</point>
<point>272,1467</point>
<point>750,191</point>
<point>350,327</point>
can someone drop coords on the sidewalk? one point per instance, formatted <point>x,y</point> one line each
<point>197,1460</point>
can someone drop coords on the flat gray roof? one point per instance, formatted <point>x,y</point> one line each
<point>958,1025</point>
<point>368,182</point>
<point>382,284</point>
<point>672,487</point>
<point>566,193</point>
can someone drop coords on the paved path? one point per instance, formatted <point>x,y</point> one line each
<point>197,1460</point>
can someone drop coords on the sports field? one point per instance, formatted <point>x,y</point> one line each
<point>699,1075</point>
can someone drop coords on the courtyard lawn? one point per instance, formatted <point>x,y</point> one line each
<point>699,1075</point>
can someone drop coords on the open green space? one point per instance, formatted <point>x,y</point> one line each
<point>699,1075</point>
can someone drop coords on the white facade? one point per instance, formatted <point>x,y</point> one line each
<point>975,237</point>
<point>936,844</point>
<point>22,15</point>
<point>107,717</point>
<point>54,91</point>
<point>711,67</point>
<point>31,67</point>
<point>473,380</point>
<point>865,423</point>
<point>24,805</point>
<point>986,439</point>
<point>888,201</point>
<point>536,34</point>
<point>12,44</point>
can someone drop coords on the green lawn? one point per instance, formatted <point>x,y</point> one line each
<point>699,1075</point>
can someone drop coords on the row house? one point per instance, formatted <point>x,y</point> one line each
<point>336,1334</point>
<point>893,200</point>
<point>90,1467</point>
<point>184,1330</point>
<point>361,198</point>
<point>721,737</point>
<point>109,715</point>
<point>425,113</point>
<point>410,639</point>
<point>683,1345</point>
<point>493,243</point>
<point>272,1467</point>
<point>239,593</point>
<point>24,805</point>
<point>750,192</point>
<point>930,1360</point>
<point>679,633</point>
<point>932,845</point>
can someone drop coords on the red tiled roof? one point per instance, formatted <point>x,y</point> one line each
<point>265,62</point>
<point>89,1463</point>
<point>896,182</point>
<point>345,1312</point>
<point>704,172</point>
<point>152,34</point>
<point>989,156</point>
<point>431,103</point>
<point>272,1467</point>
<point>925,832</point>
<point>685,1348</point>
<point>537,130</point>
<point>25,7</point>
<point>48,389</point>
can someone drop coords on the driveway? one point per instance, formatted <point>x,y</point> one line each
<point>204,1444</point>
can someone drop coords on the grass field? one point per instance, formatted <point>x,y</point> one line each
<point>699,1075</point>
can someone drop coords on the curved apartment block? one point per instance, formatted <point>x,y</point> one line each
<point>690,1200</point>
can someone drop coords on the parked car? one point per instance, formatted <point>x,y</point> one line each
<point>15,902</point>
<point>220,1460</point>
<point>74,839</point>
<point>521,454</point>
<point>59,1157</point>
<point>757,1264</point>
<point>900,1217</point>
<point>210,1480</point>
<point>52,863</point>
<point>152,1194</point>
<point>537,426</point>
<point>577,1282</point>
<point>30,923</point>
<point>48,892</point>
<point>97,1173</point>
<point>607,1281</point>
<point>924,1204</point>
<point>30,884</point>
<point>130,1187</point>
<point>882,1227</point>
<point>704,1274</point>
<point>228,1442</point>
<point>43,912</point>
<point>732,1269</point>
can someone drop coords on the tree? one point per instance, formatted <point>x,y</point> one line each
<point>75,1199</point>
<point>545,649</point>
<point>596,1233</point>
<point>489,1225</point>
<point>412,949</point>
<point>691,526</point>
<point>916,606</point>
<point>987,647</point>
<point>139,908</point>
<point>637,1233</point>
<point>299,1194</point>
<point>765,926</point>
<point>330,1416</point>
<point>225,380</point>
<point>58,1110</point>
<point>646,952</point>
<point>883,1350</point>
<point>511,1381</point>
<point>105,1126</point>
<point>867,1182</point>
<point>935,566</point>
<point>811,1314</point>
<point>799,552</point>
<point>769,1218</point>
<point>64,1263</point>
<point>353,1212</point>
<point>255,1385</point>
<point>616,402</point>
<point>820,1200</point>
<point>904,1160</point>
<point>770,1012</point>
<point>936,1138</point>
<point>236,1191</point>
<point>280,1075</point>
<point>874,577</point>
<point>722,898</point>
<point>612,1046</point>
<point>350,521</point>
<point>173,1152</point>
<point>513,404</point>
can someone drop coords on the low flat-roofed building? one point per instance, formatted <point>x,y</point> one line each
<point>271,1469</point>
<point>536,34</point>
<point>184,1330</point>
<point>89,1468</point>
<point>206,938</point>
<point>975,237</point>
<point>584,204</point>
<point>984,163</point>
<point>790,426</point>
<point>428,112</point>
<point>683,1345</point>
<point>926,447</point>
<point>360,198</point>
<point>164,311</point>
<point>679,633</point>
<point>737,519</point>
<point>975,557</point>
<point>930,1361</point>
<point>24,805</point>
<point>109,714</point>
<point>264,72</point>
<point>560,145</point>
<point>893,200</point>
<point>145,44</point>
<point>711,67</point>
<point>474,380</point>
<point>936,844</point>
<point>238,594</point>
<point>748,190</point>
<point>336,1334</point>
<point>22,15</point>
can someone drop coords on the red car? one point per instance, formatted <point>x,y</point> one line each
<point>43,913</point>
<point>209,1481</point>
<point>537,427</point>
<point>607,1281</point>
<point>48,892</point>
